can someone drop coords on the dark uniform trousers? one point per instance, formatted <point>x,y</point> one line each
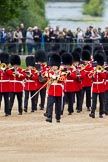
<point>86,90</point>
<point>26,97</point>
<point>68,97</point>
<point>50,102</point>
<point>42,98</point>
<point>106,101</point>
<point>6,101</point>
<point>19,98</point>
<point>78,100</point>
<point>94,102</point>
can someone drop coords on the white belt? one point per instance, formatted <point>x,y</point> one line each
<point>57,84</point>
<point>30,81</point>
<point>98,82</point>
<point>16,81</point>
<point>106,80</point>
<point>69,81</point>
<point>4,81</point>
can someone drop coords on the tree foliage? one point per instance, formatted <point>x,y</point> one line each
<point>94,8</point>
<point>30,12</point>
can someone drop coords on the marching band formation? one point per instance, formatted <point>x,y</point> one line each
<point>64,78</point>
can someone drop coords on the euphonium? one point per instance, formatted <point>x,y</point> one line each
<point>99,69</point>
<point>3,66</point>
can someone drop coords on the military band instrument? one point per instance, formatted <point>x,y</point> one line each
<point>41,88</point>
<point>3,66</point>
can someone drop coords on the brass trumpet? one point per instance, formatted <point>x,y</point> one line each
<point>3,66</point>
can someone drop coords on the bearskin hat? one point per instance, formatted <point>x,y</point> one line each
<point>99,57</point>
<point>4,58</point>
<point>55,60</point>
<point>76,56</point>
<point>97,48</point>
<point>56,48</point>
<point>40,56</point>
<point>107,59</point>
<point>78,49</point>
<point>67,59</point>
<point>87,47</point>
<point>30,61</point>
<point>15,60</point>
<point>86,55</point>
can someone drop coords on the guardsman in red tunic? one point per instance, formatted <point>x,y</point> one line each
<point>4,81</point>
<point>40,59</point>
<point>87,81</point>
<point>78,80</point>
<point>30,83</point>
<point>98,87</point>
<point>69,82</point>
<point>55,90</point>
<point>16,86</point>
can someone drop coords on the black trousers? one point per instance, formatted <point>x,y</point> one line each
<point>106,101</point>
<point>50,102</point>
<point>78,100</point>
<point>6,101</point>
<point>68,97</point>
<point>86,90</point>
<point>94,102</point>
<point>19,98</point>
<point>42,98</point>
<point>26,97</point>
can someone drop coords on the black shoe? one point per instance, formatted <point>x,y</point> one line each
<point>20,114</point>
<point>49,120</point>
<point>105,112</point>
<point>100,116</point>
<point>88,108</point>
<point>25,109</point>
<point>58,121</point>
<point>78,111</point>
<point>41,108</point>
<point>32,110</point>
<point>46,114</point>
<point>92,115</point>
<point>6,115</point>
<point>69,113</point>
<point>9,113</point>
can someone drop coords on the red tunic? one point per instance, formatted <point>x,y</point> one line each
<point>4,81</point>
<point>31,82</point>
<point>56,87</point>
<point>87,81</point>
<point>69,82</point>
<point>16,81</point>
<point>99,82</point>
<point>106,82</point>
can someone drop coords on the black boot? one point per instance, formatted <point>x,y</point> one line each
<point>49,120</point>
<point>92,115</point>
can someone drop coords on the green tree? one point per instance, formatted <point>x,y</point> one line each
<point>30,12</point>
<point>94,8</point>
<point>9,9</point>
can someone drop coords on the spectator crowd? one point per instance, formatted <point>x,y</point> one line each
<point>24,41</point>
